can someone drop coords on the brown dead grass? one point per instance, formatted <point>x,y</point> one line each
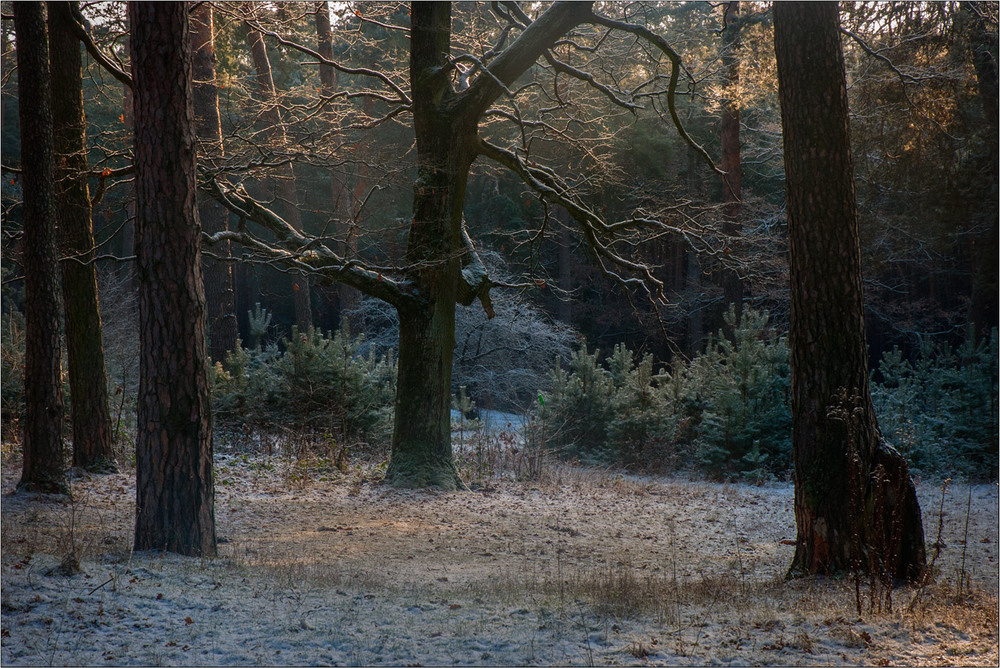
<point>696,567</point>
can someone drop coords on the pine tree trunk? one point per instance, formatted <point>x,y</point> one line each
<point>43,470</point>
<point>729,131</point>
<point>855,505</point>
<point>348,298</point>
<point>174,492</point>
<point>286,193</point>
<point>219,290</point>
<point>92,440</point>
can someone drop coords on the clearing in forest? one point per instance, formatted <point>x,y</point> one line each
<point>575,567</point>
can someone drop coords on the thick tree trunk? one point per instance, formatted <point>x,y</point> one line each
<point>729,130</point>
<point>43,448</point>
<point>421,440</point>
<point>286,193</point>
<point>174,492</point>
<point>446,130</point>
<point>855,505</point>
<point>219,291</point>
<point>92,448</point>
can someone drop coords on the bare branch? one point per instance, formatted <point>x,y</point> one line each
<point>305,254</point>
<point>403,98</point>
<point>80,28</point>
<point>675,69</point>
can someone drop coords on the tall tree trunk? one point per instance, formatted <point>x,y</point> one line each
<point>729,130</point>
<point>983,45</point>
<point>421,440</point>
<point>92,448</point>
<point>838,450</point>
<point>287,205</point>
<point>174,492</point>
<point>219,289</point>
<point>349,298</point>
<point>43,448</point>
<point>696,321</point>
<point>565,269</point>
<point>127,241</point>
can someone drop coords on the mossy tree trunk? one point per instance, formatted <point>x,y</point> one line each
<point>174,493</point>
<point>43,468</point>
<point>446,127</point>
<point>855,505</point>
<point>421,440</point>
<point>92,438</point>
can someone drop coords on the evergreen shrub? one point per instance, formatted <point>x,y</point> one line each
<point>318,383</point>
<point>724,412</point>
<point>940,409</point>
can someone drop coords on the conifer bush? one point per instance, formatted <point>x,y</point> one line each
<point>724,412</point>
<point>318,383</point>
<point>940,409</point>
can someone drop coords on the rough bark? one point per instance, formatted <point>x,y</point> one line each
<point>43,448</point>
<point>219,290</point>
<point>729,131</point>
<point>855,505</point>
<point>286,194</point>
<point>92,441</point>
<point>174,492</point>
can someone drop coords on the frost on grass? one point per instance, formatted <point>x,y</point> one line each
<point>577,567</point>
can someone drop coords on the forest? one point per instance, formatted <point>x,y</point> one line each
<point>499,333</point>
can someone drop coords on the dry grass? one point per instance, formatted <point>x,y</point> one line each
<point>564,565</point>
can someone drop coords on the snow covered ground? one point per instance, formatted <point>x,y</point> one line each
<point>579,567</point>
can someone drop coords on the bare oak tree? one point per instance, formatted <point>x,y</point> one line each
<point>460,93</point>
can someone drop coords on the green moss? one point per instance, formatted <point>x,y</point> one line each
<point>418,468</point>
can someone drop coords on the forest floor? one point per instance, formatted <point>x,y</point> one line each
<point>577,566</point>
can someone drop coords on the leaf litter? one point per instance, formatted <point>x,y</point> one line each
<point>584,567</point>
